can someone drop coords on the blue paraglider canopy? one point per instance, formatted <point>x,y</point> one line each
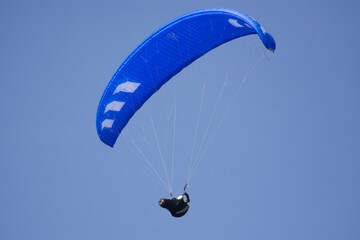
<point>161,56</point>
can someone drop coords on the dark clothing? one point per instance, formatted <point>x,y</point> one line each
<point>177,207</point>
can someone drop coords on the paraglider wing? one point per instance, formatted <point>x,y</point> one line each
<point>161,56</point>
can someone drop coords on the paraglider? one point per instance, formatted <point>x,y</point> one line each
<point>178,207</point>
<point>160,57</point>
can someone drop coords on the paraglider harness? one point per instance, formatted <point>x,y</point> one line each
<point>178,207</point>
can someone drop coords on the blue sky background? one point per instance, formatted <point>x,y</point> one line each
<point>285,163</point>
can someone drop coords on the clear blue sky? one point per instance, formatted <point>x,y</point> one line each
<point>285,163</point>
